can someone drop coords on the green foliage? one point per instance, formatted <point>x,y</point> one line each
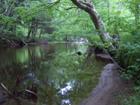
<point>66,19</point>
<point>133,72</point>
<point>128,54</point>
<point>129,58</point>
<point>132,5</point>
<point>7,20</point>
<point>133,99</point>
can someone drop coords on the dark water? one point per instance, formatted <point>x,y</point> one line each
<point>47,75</point>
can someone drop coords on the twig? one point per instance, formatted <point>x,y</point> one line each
<point>31,92</point>
<point>5,89</point>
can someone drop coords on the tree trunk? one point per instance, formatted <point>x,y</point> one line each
<point>29,31</point>
<point>88,7</point>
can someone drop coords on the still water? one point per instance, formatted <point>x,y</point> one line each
<point>52,74</point>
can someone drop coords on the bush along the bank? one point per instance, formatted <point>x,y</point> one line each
<point>129,58</point>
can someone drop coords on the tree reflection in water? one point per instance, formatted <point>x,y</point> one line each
<point>48,75</point>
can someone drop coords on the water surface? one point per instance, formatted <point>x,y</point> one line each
<point>51,74</point>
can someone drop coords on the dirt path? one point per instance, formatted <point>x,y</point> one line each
<point>109,87</point>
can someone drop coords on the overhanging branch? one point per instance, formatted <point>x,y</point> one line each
<point>79,4</point>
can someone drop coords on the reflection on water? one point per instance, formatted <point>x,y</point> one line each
<point>47,75</point>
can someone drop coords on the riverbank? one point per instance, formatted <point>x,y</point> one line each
<point>20,42</point>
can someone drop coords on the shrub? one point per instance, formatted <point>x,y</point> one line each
<point>128,54</point>
<point>129,58</point>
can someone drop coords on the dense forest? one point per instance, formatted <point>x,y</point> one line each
<point>47,46</point>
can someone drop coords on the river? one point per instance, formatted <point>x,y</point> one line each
<point>51,74</point>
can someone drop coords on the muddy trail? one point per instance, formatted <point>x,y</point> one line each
<point>109,88</point>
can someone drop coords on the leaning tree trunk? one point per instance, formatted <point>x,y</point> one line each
<point>88,7</point>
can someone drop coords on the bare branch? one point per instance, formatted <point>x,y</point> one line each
<point>70,8</point>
